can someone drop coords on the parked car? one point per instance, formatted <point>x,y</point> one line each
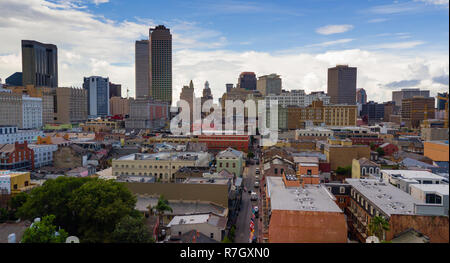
<point>254,196</point>
<point>256,184</point>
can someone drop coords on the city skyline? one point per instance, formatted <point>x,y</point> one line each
<point>371,37</point>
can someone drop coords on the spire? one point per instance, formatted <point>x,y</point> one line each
<point>191,84</point>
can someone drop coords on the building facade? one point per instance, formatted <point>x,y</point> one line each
<point>147,114</point>
<point>119,106</point>
<point>342,85</point>
<point>399,96</point>
<point>374,112</point>
<point>16,156</point>
<point>247,81</point>
<point>361,96</point>
<point>318,114</point>
<point>39,64</point>
<point>230,160</point>
<point>115,90</point>
<point>43,154</point>
<point>269,84</point>
<point>11,109</point>
<point>142,68</point>
<point>71,105</point>
<point>10,135</point>
<point>417,109</point>
<point>160,81</point>
<point>97,96</point>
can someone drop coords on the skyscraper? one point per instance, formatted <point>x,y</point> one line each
<point>160,80</point>
<point>115,90</point>
<point>398,96</point>
<point>142,68</point>
<point>342,84</point>
<point>39,64</point>
<point>269,84</point>
<point>361,96</point>
<point>98,96</point>
<point>247,80</point>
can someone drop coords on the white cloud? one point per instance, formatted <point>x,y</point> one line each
<point>333,29</point>
<point>91,45</point>
<point>434,2</point>
<point>333,42</point>
<point>397,45</point>
<point>378,20</point>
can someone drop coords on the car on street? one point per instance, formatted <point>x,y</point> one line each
<point>254,196</point>
<point>256,184</point>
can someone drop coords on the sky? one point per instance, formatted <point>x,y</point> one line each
<point>394,44</point>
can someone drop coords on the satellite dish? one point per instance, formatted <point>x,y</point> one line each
<point>372,239</point>
<point>72,239</point>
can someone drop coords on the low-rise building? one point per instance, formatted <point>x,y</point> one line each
<point>432,194</point>
<point>364,168</point>
<point>434,134</point>
<point>437,151</point>
<point>340,153</point>
<point>43,154</point>
<point>302,213</point>
<point>230,160</point>
<point>372,197</point>
<point>403,178</point>
<point>11,134</point>
<point>13,183</point>
<point>161,166</point>
<point>16,156</point>
<point>210,225</point>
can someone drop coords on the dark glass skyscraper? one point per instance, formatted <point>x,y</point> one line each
<point>247,80</point>
<point>342,85</point>
<point>160,81</point>
<point>39,64</point>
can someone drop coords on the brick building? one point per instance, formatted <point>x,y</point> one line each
<point>16,156</point>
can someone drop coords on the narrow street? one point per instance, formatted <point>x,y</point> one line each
<point>243,220</point>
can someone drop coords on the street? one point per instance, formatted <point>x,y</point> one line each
<point>243,220</point>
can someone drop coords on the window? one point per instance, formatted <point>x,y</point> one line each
<point>309,172</point>
<point>275,171</point>
<point>341,190</point>
<point>212,235</point>
<point>433,199</point>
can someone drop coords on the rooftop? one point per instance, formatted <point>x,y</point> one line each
<point>389,199</point>
<point>412,174</point>
<point>199,219</point>
<point>437,188</point>
<point>165,156</point>
<point>311,198</point>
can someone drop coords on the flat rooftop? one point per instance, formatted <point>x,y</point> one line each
<point>181,207</point>
<point>201,180</point>
<point>413,174</point>
<point>164,156</point>
<point>386,197</point>
<point>311,198</point>
<point>438,188</point>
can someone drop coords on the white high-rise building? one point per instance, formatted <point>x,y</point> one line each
<point>297,98</point>
<point>31,112</point>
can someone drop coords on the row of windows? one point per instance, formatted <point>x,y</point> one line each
<point>365,204</point>
<point>145,166</point>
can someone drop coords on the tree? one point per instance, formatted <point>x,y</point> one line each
<point>161,207</point>
<point>377,227</point>
<point>16,202</point>
<point>347,170</point>
<point>98,205</point>
<point>88,208</point>
<point>132,230</point>
<point>250,155</point>
<point>3,215</point>
<point>44,232</point>
<point>372,145</point>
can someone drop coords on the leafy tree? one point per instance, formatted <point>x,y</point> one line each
<point>227,240</point>
<point>347,170</point>
<point>377,227</point>
<point>372,145</point>
<point>98,205</point>
<point>44,232</point>
<point>52,198</point>
<point>88,208</point>
<point>16,202</point>
<point>161,207</point>
<point>132,230</point>
<point>250,155</point>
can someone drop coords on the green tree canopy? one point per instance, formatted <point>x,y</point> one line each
<point>88,208</point>
<point>347,170</point>
<point>132,230</point>
<point>380,151</point>
<point>44,232</point>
